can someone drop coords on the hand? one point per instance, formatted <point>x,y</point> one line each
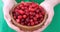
<point>48,5</point>
<point>8,4</point>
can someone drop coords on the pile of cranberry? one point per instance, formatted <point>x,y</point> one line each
<point>28,13</point>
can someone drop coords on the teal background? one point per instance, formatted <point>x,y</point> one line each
<point>53,27</point>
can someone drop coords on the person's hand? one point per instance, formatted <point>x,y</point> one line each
<point>8,4</point>
<point>48,5</point>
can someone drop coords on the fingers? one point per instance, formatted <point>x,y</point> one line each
<point>7,1</point>
<point>48,9</point>
<point>8,20</point>
<point>48,21</point>
<point>50,13</point>
<point>8,4</point>
<point>51,3</point>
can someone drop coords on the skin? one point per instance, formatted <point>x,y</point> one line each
<point>8,4</point>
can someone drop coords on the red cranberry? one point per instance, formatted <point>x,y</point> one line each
<point>31,9</point>
<point>18,20</point>
<point>19,17</point>
<point>36,22</point>
<point>14,17</point>
<point>32,23</point>
<point>22,8</point>
<point>21,12</point>
<point>22,23</point>
<point>40,15</point>
<point>43,13</point>
<point>31,20</point>
<point>28,24</point>
<point>35,18</point>
<point>24,16</point>
<point>37,15</point>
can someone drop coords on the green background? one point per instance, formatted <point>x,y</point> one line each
<point>53,27</point>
